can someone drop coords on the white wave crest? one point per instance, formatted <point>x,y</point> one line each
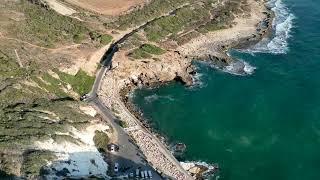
<point>211,168</point>
<point>240,67</point>
<point>198,81</point>
<point>248,68</point>
<point>282,25</point>
<point>154,97</point>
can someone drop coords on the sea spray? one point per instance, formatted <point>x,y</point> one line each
<point>282,25</point>
<point>240,68</point>
<point>198,79</point>
<point>200,169</point>
<point>277,44</point>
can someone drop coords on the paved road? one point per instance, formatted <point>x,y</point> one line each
<point>129,155</point>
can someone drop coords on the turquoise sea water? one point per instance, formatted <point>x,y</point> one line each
<point>265,126</point>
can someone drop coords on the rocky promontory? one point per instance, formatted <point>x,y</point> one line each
<point>145,62</point>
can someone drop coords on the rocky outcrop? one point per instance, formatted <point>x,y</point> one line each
<point>175,65</point>
<point>200,170</point>
<point>168,67</point>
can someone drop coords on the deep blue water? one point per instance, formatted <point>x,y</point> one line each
<point>265,126</point>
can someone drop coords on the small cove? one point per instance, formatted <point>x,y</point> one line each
<point>258,127</point>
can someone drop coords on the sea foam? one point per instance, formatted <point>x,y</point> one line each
<point>240,68</point>
<point>211,168</point>
<point>282,25</point>
<point>155,97</point>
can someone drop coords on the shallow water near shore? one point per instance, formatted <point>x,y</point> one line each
<point>258,127</point>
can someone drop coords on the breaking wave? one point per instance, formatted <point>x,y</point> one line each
<point>282,25</point>
<point>197,81</point>
<point>211,169</point>
<point>240,68</point>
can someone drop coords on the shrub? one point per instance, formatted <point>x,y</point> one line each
<point>152,49</point>
<point>78,38</point>
<point>102,38</point>
<point>48,28</point>
<point>139,54</point>
<point>101,140</point>
<point>81,82</point>
<point>105,39</point>
<point>145,51</point>
<point>123,124</point>
<point>34,160</point>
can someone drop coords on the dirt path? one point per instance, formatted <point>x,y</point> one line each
<point>40,47</point>
<point>18,58</point>
<point>60,8</point>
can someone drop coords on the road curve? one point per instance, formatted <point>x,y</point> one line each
<point>94,99</point>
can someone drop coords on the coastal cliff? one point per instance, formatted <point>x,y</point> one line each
<point>135,66</point>
<point>50,50</point>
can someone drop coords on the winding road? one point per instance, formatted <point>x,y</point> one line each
<point>128,152</point>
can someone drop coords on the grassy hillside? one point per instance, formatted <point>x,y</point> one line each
<point>34,108</point>
<point>37,100</point>
<point>175,23</point>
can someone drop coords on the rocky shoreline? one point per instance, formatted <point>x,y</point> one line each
<point>220,61</point>
<point>198,170</point>
<point>176,65</point>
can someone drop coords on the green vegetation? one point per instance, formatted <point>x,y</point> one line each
<point>62,138</point>
<point>44,27</point>
<point>29,113</point>
<point>223,16</point>
<point>9,67</point>
<point>103,39</point>
<point>78,38</point>
<point>123,124</point>
<point>81,82</point>
<point>50,84</point>
<point>34,160</point>
<point>146,51</point>
<point>140,54</point>
<point>101,140</point>
<point>152,49</point>
<point>24,120</point>
<point>133,41</point>
<point>47,28</point>
<point>185,16</point>
<point>35,104</point>
<point>153,10</point>
<point>183,19</point>
<point>186,20</point>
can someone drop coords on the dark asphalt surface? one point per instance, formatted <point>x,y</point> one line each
<point>129,156</point>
